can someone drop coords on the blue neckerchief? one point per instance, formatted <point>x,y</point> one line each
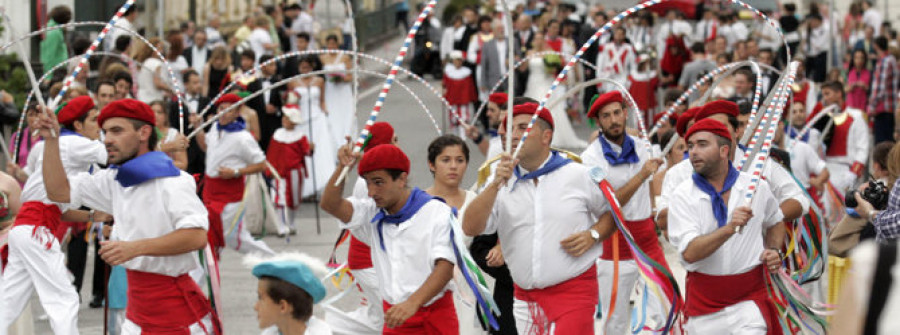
<point>719,207</point>
<point>556,161</point>
<point>686,155</point>
<point>493,133</point>
<point>152,165</point>
<point>417,199</point>
<point>793,133</point>
<point>627,156</point>
<point>742,147</point>
<point>235,126</point>
<point>68,132</point>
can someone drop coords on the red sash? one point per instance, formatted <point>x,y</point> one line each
<point>37,214</point>
<point>570,304</point>
<point>359,256</point>
<point>708,294</point>
<point>439,318</point>
<point>644,233</point>
<point>218,192</point>
<point>164,305</point>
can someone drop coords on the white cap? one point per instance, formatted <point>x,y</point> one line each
<point>293,113</point>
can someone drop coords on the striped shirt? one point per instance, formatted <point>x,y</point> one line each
<point>885,82</point>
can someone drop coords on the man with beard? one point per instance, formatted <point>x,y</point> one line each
<point>160,220</point>
<point>628,168</point>
<point>496,112</point>
<point>726,289</point>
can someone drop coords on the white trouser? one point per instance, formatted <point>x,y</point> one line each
<point>130,328</point>
<point>524,322</point>
<point>629,277</point>
<point>841,176</point>
<point>116,320</point>
<point>743,318</point>
<point>240,239</point>
<point>368,317</point>
<point>35,267</point>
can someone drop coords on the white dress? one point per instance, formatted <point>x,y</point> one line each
<point>323,161</point>
<point>339,102</point>
<point>539,82</point>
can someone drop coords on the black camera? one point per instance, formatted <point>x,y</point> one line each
<point>876,194</point>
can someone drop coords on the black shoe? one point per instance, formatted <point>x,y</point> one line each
<point>96,302</point>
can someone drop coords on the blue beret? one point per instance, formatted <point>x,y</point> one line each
<point>293,272</point>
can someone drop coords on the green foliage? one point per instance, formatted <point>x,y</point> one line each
<point>455,7</point>
<point>13,78</point>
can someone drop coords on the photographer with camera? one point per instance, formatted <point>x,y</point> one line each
<point>873,205</point>
<point>853,229</point>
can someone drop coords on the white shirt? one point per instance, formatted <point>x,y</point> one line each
<point>148,210</point>
<point>233,150</point>
<point>805,161</point>
<point>198,59</point>
<point>78,153</point>
<point>495,146</point>
<point>147,91</point>
<point>638,207</point>
<point>531,220</point>
<point>411,247</point>
<point>819,40</point>
<point>303,23</point>
<point>779,181</point>
<point>258,39</point>
<point>691,215</point>
<point>872,18</point>
<point>213,38</point>
<point>110,41</point>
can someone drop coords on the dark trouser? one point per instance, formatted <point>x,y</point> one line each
<point>98,287</point>
<point>883,128</point>
<point>816,67</point>
<point>401,19</point>
<point>503,286</point>
<point>76,258</point>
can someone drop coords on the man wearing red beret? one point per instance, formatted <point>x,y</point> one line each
<point>628,168</point>
<point>160,221</point>
<point>726,289</point>
<point>359,255</point>
<point>36,262</point>
<point>231,153</point>
<point>410,239</point>
<point>496,112</point>
<point>791,197</point>
<point>544,212</point>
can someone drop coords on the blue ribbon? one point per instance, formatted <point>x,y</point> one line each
<point>235,126</point>
<point>417,199</point>
<point>793,133</point>
<point>68,132</point>
<point>145,167</point>
<point>719,207</point>
<point>627,156</point>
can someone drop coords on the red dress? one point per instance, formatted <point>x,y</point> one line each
<point>459,90</point>
<point>287,151</point>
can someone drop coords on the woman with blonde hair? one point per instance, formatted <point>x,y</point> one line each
<point>217,72</point>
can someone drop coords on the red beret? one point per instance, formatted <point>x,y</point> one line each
<point>383,157</point>
<point>127,108</point>
<point>683,120</point>
<point>498,98</point>
<point>708,125</point>
<point>74,109</point>
<point>529,109</point>
<point>717,107</point>
<point>603,100</point>
<point>380,133</point>
<point>229,98</point>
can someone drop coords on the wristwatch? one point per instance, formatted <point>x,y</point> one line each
<point>594,234</point>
